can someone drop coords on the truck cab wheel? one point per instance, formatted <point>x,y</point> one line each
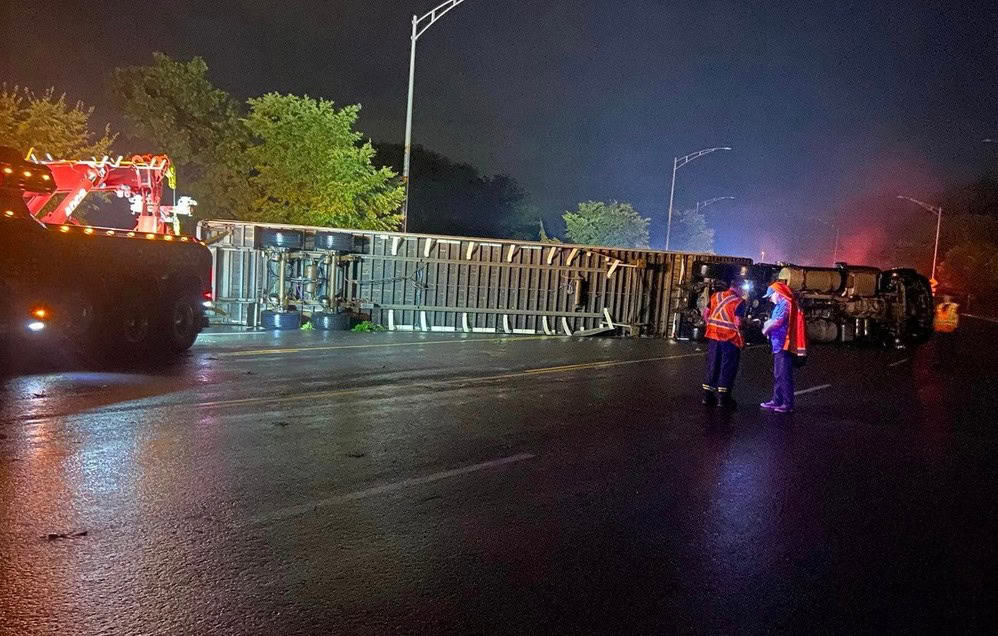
<point>180,322</point>
<point>127,327</point>
<point>6,337</point>
<point>130,326</point>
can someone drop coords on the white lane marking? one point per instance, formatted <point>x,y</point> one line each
<point>813,389</point>
<point>295,511</point>
<point>898,363</point>
<point>984,318</point>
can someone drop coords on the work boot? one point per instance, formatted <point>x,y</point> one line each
<point>727,402</point>
<point>770,406</point>
<point>709,399</point>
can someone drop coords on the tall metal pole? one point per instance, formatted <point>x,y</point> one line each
<point>408,126</point>
<point>677,163</point>
<point>938,211</point>
<point>835,255</point>
<point>672,193</point>
<point>935,252</point>
<point>419,26</point>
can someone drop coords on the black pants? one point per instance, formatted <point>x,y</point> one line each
<point>722,366</point>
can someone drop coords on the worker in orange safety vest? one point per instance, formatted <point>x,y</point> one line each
<point>946,321</point>
<point>725,342</point>
<point>947,316</point>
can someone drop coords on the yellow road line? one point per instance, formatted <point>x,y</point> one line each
<point>274,352</point>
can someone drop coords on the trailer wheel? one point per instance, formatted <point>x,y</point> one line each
<point>283,320</point>
<point>336,241</point>
<point>180,321</point>
<point>331,322</point>
<point>274,237</point>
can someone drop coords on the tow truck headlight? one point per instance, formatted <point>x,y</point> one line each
<point>36,325</point>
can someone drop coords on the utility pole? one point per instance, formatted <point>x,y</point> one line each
<point>938,211</point>
<point>677,163</point>
<point>419,26</point>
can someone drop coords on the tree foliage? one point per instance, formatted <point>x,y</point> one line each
<point>172,107</point>
<point>278,158</point>
<point>690,232</point>
<point>311,167</point>
<point>50,125</point>
<point>448,197</point>
<point>611,224</point>
<point>972,268</point>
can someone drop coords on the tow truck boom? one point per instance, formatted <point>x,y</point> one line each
<point>139,179</point>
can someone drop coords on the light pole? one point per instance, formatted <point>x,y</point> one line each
<point>677,163</point>
<point>419,26</point>
<point>702,204</point>
<point>938,211</point>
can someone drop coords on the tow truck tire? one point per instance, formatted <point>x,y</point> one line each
<point>282,320</point>
<point>335,241</point>
<point>180,321</point>
<point>331,322</point>
<point>274,237</point>
<point>6,320</point>
<point>129,326</point>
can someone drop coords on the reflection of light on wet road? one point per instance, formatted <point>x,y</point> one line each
<point>743,518</point>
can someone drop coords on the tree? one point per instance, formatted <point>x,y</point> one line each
<point>50,125</point>
<point>611,224</point>
<point>690,232</point>
<point>448,197</point>
<point>173,108</point>
<point>311,167</point>
<point>277,159</point>
<point>971,267</point>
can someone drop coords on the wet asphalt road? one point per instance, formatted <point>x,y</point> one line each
<point>370,483</point>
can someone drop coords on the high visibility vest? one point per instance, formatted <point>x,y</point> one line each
<point>722,323</point>
<point>947,317</point>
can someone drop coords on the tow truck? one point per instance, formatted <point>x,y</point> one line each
<point>120,293</point>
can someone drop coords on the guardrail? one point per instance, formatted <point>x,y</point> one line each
<point>446,283</point>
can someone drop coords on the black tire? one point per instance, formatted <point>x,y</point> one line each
<point>331,322</point>
<point>129,326</point>
<point>274,237</point>
<point>717,271</point>
<point>179,321</point>
<point>283,320</point>
<point>335,241</point>
<point>6,336</point>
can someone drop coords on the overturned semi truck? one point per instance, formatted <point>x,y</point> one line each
<point>845,303</point>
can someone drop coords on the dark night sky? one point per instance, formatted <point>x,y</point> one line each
<point>827,104</point>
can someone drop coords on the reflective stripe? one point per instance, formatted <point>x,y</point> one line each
<point>721,321</point>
